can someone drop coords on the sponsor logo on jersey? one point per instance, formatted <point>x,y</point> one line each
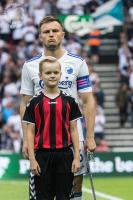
<point>69,70</point>
<point>62,84</point>
<point>52,102</point>
<point>65,84</point>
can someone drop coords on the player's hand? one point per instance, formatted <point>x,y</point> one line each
<point>90,144</point>
<point>75,165</point>
<point>35,168</point>
<point>25,149</point>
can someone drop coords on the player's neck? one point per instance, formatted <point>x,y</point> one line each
<point>51,92</point>
<point>58,53</point>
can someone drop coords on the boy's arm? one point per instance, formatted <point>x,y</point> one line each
<point>30,141</point>
<point>75,141</point>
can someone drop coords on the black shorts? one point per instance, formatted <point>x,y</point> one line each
<point>56,177</point>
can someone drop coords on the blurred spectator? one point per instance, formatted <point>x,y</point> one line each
<point>7,108</point>
<point>94,43</point>
<point>73,46</point>
<point>123,38</point>
<point>17,34</point>
<point>91,6</point>
<point>131,103</point>
<point>99,124</point>
<point>99,94</point>
<point>48,7</point>
<point>3,55</point>
<point>131,78</point>
<point>130,45</point>
<point>1,120</point>
<point>94,77</point>
<point>131,13</point>
<point>39,13</point>
<point>29,32</point>
<point>122,103</point>
<point>14,122</point>
<point>64,6</point>
<point>4,26</point>
<point>6,143</point>
<point>102,146</point>
<point>22,50</point>
<point>124,55</point>
<point>78,7</point>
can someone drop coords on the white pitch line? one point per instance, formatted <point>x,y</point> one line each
<point>103,195</point>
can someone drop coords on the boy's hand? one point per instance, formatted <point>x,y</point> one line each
<point>35,168</point>
<point>75,165</point>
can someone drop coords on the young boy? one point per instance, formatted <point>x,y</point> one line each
<point>51,132</point>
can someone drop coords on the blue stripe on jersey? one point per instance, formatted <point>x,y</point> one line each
<point>83,77</point>
<point>34,58</point>
<point>75,56</point>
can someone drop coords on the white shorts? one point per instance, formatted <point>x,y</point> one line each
<point>83,160</point>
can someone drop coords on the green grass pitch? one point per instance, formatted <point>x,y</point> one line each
<point>121,188</point>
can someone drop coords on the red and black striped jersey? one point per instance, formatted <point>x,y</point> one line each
<point>52,120</point>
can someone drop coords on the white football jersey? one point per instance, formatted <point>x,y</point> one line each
<point>74,78</point>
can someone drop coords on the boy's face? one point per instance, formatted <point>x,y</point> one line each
<point>50,74</point>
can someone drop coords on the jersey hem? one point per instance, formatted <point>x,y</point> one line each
<point>75,119</point>
<point>27,122</point>
<point>85,90</point>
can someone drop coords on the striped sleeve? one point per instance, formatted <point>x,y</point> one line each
<point>29,116</point>
<point>83,81</point>
<point>75,112</point>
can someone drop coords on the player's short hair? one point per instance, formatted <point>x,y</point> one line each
<point>49,19</point>
<point>48,59</point>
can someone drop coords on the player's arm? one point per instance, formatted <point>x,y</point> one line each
<point>75,141</point>
<point>85,90</point>
<point>26,92</point>
<point>89,110</point>
<point>34,166</point>
<point>23,103</point>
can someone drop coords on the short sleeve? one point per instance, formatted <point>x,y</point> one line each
<point>29,116</point>
<point>26,82</point>
<point>75,112</point>
<point>83,81</point>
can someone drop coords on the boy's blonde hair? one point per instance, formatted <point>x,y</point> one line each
<point>48,59</point>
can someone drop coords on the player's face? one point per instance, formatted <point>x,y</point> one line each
<point>51,35</point>
<point>51,74</point>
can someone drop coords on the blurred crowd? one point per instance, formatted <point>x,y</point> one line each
<point>124,97</point>
<point>19,42</point>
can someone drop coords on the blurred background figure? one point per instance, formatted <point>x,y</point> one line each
<point>131,105</point>
<point>122,103</point>
<point>99,124</point>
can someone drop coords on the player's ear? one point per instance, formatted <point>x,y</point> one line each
<point>63,35</point>
<point>40,37</point>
